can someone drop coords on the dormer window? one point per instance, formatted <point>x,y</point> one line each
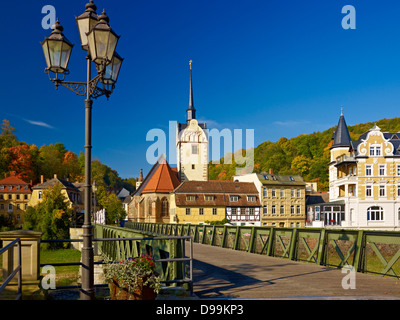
<point>190,198</point>
<point>209,197</point>
<point>234,198</point>
<point>251,198</point>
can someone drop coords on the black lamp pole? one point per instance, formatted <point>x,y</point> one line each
<point>99,40</point>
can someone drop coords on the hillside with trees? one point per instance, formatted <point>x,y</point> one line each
<point>306,154</point>
<point>30,162</point>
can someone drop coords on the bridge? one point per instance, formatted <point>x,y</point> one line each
<point>221,273</point>
<point>291,263</point>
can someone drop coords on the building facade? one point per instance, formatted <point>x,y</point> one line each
<point>73,193</point>
<point>14,197</point>
<point>364,181</point>
<point>197,202</point>
<point>282,198</point>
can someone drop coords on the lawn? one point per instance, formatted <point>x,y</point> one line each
<point>65,275</point>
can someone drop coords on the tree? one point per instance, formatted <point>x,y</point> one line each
<point>113,206</point>
<point>21,162</point>
<point>8,138</point>
<point>301,164</point>
<point>50,216</point>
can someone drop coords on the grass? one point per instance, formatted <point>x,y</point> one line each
<point>65,275</point>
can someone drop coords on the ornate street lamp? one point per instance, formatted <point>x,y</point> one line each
<point>86,21</point>
<point>57,50</point>
<point>100,41</point>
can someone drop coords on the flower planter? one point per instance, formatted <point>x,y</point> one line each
<point>140,292</point>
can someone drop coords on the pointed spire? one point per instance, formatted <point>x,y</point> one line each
<point>341,136</point>
<point>191,111</point>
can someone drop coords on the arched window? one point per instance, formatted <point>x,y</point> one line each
<point>164,207</point>
<point>375,214</point>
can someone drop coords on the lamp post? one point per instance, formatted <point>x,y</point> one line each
<point>100,41</point>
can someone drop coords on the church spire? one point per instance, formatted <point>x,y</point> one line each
<point>191,111</point>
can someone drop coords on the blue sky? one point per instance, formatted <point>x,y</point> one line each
<point>282,68</point>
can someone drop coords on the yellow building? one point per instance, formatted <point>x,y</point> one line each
<point>72,192</point>
<point>364,181</point>
<point>14,196</point>
<point>196,202</point>
<point>282,198</point>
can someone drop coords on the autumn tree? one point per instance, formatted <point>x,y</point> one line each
<point>50,216</point>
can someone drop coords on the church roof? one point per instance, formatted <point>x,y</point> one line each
<point>161,178</point>
<point>341,137</point>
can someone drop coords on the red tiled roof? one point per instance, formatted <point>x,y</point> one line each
<point>164,179</point>
<point>13,181</point>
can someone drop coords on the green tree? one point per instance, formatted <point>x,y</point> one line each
<point>113,206</point>
<point>50,216</point>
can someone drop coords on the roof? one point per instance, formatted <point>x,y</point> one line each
<point>49,183</point>
<point>313,199</point>
<point>12,182</point>
<point>341,138</point>
<point>221,190</point>
<point>279,179</point>
<point>161,179</point>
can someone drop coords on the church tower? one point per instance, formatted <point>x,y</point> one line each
<point>192,144</point>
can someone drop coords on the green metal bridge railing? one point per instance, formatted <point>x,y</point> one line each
<point>367,251</point>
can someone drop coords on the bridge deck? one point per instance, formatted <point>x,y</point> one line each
<point>227,274</point>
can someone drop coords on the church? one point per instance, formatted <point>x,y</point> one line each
<point>156,197</point>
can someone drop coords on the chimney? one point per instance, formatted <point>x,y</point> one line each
<point>271,171</point>
<point>41,179</point>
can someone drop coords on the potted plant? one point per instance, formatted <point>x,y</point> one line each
<point>133,279</point>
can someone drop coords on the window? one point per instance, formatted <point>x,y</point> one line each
<point>9,188</point>
<point>382,191</point>
<point>282,193</point>
<point>382,169</point>
<point>298,210</point>
<point>265,192</point>
<point>298,193</point>
<point>234,198</point>
<point>265,210</point>
<point>193,166</point>
<point>292,193</point>
<point>26,197</point>
<point>18,206</point>
<point>194,149</point>
<point>274,192</point>
<point>10,207</point>
<point>187,211</point>
<point>251,198</point>
<point>317,213</point>
<point>40,194</point>
<point>398,169</point>
<point>26,188</point>
<point>374,151</point>
<point>18,187</point>
<point>368,170</point>
<point>2,206</point>
<point>214,211</point>
<point>190,198</point>
<point>17,196</point>
<point>1,197</point>
<point>234,210</point>
<point>252,211</point>
<point>282,211</point>
<point>398,190</point>
<point>201,211</point>
<point>273,211</point>
<point>164,207</point>
<point>375,214</point>
<point>1,187</point>
<point>368,191</point>
<point>209,198</point>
